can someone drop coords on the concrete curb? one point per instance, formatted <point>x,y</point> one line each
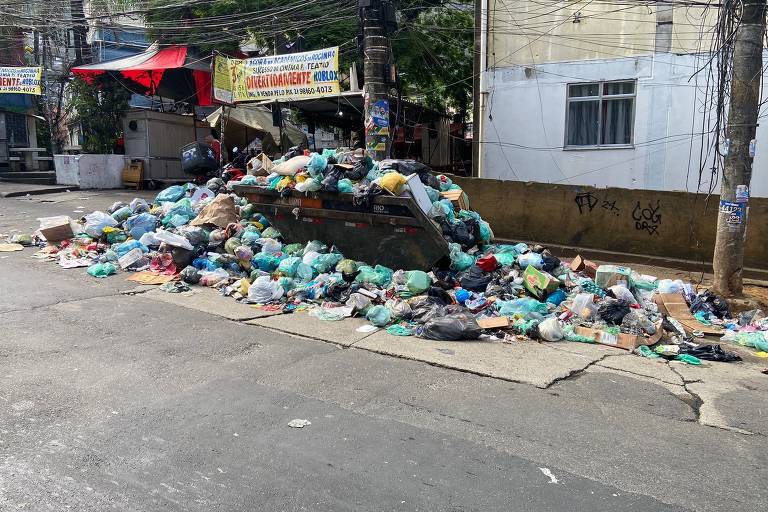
<point>39,191</point>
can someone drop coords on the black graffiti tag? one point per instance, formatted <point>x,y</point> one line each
<point>611,207</point>
<point>647,219</point>
<point>585,199</point>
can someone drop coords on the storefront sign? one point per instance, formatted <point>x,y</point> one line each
<point>290,77</point>
<point>20,80</point>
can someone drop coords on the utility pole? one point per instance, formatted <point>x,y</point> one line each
<point>732,219</point>
<point>376,56</point>
<point>80,33</point>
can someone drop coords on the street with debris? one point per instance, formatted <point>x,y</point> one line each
<point>119,395</point>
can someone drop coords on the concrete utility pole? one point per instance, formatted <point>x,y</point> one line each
<point>732,219</point>
<point>376,89</point>
<point>80,33</point>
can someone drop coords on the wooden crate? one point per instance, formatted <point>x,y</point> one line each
<point>457,197</point>
<point>133,175</point>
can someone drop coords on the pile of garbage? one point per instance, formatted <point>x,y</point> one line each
<point>208,236</point>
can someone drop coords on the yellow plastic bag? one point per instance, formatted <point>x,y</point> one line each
<point>393,182</point>
<point>244,285</point>
<point>283,183</point>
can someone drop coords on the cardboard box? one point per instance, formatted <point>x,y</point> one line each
<point>56,229</point>
<point>539,283</point>
<point>579,264</point>
<point>610,275</point>
<point>674,305</point>
<point>620,340</point>
<point>499,322</point>
<point>457,197</point>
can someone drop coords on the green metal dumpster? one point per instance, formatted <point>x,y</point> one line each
<point>390,231</point>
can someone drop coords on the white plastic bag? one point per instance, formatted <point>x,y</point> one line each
<point>96,222</point>
<point>264,289</point>
<point>173,239</point>
<point>550,329</point>
<point>150,239</point>
<point>270,246</point>
<point>292,166</point>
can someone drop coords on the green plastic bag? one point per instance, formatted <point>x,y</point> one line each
<point>345,185</point>
<point>116,236</point>
<point>346,267</point>
<point>379,316</point>
<point>521,306</point>
<point>292,249</point>
<point>400,330</point>
<point>505,259</point>
<point>289,266</point>
<point>459,259</point>
<point>417,281</point>
<point>378,276</point>
<point>102,270</point>
<point>266,262</point>
<point>270,232</point>
<point>305,272</point>
<point>326,262</point>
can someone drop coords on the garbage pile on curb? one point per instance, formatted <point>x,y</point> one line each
<point>208,236</point>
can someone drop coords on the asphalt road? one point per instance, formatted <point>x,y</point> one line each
<point>115,401</point>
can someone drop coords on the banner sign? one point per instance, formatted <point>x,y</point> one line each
<point>290,77</point>
<point>21,80</point>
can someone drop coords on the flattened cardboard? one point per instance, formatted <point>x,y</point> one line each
<point>147,277</point>
<point>621,340</point>
<point>675,306</point>
<point>499,322</point>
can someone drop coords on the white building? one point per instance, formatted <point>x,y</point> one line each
<point>599,93</point>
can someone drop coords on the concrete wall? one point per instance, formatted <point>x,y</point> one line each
<point>642,222</point>
<point>90,171</point>
<point>526,32</point>
<point>525,118</point>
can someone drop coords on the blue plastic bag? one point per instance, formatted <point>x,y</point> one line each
<point>171,194</point>
<point>123,248</point>
<point>532,259</point>
<point>316,165</point>
<point>289,266</point>
<point>140,224</point>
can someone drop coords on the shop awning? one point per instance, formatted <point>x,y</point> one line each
<point>170,72</point>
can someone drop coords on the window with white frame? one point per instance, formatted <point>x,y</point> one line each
<point>600,114</point>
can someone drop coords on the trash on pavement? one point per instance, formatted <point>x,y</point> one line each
<point>211,236</point>
<point>297,423</point>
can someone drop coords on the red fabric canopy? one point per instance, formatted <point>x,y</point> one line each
<point>147,69</point>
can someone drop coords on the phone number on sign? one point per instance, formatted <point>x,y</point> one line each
<point>298,91</point>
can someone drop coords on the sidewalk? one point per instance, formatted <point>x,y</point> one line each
<point>8,189</point>
<point>714,390</point>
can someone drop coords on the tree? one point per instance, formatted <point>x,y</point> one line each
<point>99,108</point>
<point>432,47</point>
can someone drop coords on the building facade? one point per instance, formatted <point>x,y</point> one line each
<point>599,93</point>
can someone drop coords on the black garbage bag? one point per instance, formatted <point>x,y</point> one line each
<point>331,180</point>
<point>459,232</point>
<point>713,353</point>
<point>363,196</point>
<point>549,263</point>
<point>613,311</point>
<point>475,279</point>
<point>338,291</point>
<point>707,302</point>
<point>456,327</point>
<point>358,172</point>
<point>190,275</point>
<point>426,309</point>
<point>440,295</point>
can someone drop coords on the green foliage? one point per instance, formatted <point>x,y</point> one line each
<point>433,46</point>
<point>99,107</point>
<point>434,54</point>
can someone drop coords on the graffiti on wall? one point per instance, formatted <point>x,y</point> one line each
<point>644,217</point>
